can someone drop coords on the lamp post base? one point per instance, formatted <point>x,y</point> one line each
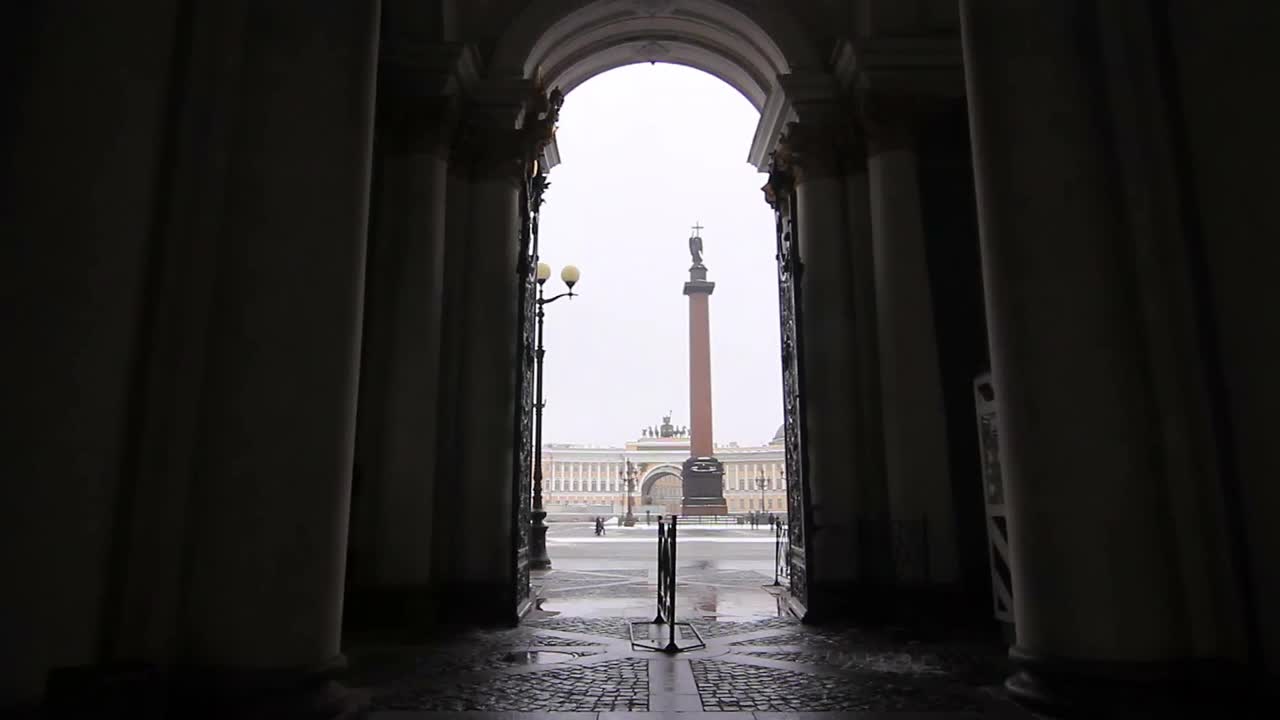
<point>538,558</point>
<point>629,520</point>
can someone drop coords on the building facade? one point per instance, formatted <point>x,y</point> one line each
<point>588,479</point>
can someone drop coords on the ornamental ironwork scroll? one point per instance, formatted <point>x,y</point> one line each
<point>780,193</point>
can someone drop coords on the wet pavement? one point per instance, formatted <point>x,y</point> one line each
<point>573,653</point>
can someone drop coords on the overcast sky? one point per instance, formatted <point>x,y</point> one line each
<point>647,151</point>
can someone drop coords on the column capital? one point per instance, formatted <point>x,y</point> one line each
<point>779,184</point>
<point>891,121</point>
<point>506,139</point>
<point>808,151</point>
<point>419,90</point>
<point>416,125</point>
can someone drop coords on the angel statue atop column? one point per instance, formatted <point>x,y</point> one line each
<point>695,245</point>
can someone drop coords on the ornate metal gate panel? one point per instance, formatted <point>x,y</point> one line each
<point>780,192</point>
<point>530,201</point>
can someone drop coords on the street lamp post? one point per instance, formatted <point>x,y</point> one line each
<point>629,476</point>
<point>762,482</point>
<point>538,557</point>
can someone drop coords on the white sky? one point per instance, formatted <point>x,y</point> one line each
<point>646,151</point>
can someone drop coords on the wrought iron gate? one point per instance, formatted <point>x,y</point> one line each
<point>530,204</point>
<point>780,193</point>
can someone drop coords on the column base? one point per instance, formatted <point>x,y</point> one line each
<point>538,557</point>
<point>691,509</point>
<point>893,604</point>
<point>143,690</point>
<point>1173,688</point>
<point>399,612</point>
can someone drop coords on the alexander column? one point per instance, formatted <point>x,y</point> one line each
<point>703,474</point>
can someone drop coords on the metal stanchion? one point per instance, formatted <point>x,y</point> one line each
<point>666,614</point>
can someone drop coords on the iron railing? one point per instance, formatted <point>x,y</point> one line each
<point>666,614</point>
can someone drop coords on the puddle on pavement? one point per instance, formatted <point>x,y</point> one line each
<point>537,657</point>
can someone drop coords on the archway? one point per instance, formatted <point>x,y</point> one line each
<point>662,487</point>
<point>750,49</point>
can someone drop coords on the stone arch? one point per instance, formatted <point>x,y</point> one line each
<point>565,42</point>
<point>651,476</point>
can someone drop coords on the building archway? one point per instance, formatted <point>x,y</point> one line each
<point>662,486</point>
<point>749,47</point>
<point>555,46</point>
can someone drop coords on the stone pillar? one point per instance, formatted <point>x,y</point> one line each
<point>922,531</point>
<point>1099,599</point>
<point>84,247</point>
<point>445,557</point>
<point>394,501</point>
<point>817,153</point>
<point>870,496</point>
<point>267,530</point>
<point>485,416</point>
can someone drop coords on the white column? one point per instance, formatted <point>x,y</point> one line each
<point>400,364</point>
<point>267,522</point>
<point>488,376</point>
<point>915,431</point>
<point>1099,577</point>
<point>817,150</point>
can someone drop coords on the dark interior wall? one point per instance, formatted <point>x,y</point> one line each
<point>1223,55</point>
<point>955,276</point>
<point>86,120</point>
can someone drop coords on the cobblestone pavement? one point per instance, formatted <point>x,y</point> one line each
<point>770,664</point>
<point>606,686</point>
<point>613,628</point>
<point>727,686</point>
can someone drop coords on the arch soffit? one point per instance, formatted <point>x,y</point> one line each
<point>568,41</point>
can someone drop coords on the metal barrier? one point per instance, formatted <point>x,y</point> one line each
<point>781,553</point>
<point>666,614</point>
